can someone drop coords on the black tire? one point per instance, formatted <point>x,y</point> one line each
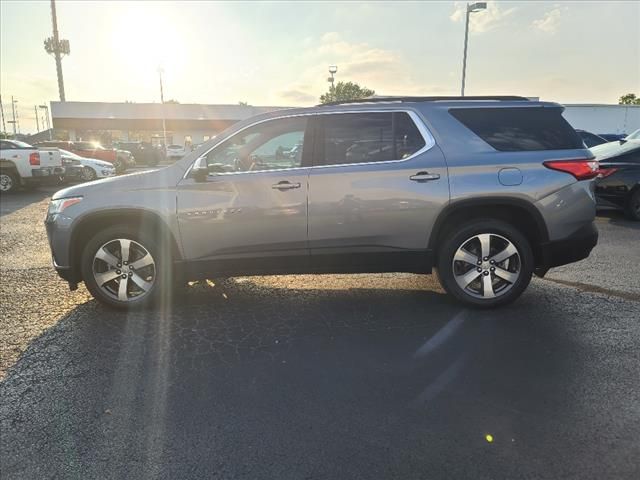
<point>455,238</point>
<point>160,293</point>
<point>119,166</point>
<point>9,181</point>
<point>88,174</point>
<point>632,210</point>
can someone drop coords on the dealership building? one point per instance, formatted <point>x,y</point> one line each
<point>184,123</point>
<point>195,123</point>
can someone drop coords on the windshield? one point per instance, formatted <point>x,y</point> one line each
<point>22,144</point>
<point>634,135</point>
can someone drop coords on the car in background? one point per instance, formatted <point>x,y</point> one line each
<point>612,137</point>
<point>120,159</point>
<point>618,184</point>
<point>92,169</point>
<point>591,139</point>
<point>143,152</point>
<point>175,151</point>
<point>22,164</point>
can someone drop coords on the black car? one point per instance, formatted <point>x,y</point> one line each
<point>618,185</point>
<point>591,139</point>
<point>143,152</point>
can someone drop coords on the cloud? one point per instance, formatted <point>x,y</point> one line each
<point>384,70</point>
<point>551,20</point>
<point>484,20</point>
<point>297,95</point>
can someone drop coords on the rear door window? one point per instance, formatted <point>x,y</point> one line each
<point>349,138</point>
<point>515,129</point>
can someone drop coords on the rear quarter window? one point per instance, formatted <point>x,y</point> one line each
<point>520,129</point>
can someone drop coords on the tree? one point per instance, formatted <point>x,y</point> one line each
<point>172,102</point>
<point>243,104</point>
<point>344,91</point>
<point>629,99</point>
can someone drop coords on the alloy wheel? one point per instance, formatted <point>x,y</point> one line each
<point>486,265</point>
<point>124,269</point>
<point>6,182</point>
<point>88,174</point>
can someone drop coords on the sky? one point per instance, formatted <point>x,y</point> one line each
<point>278,53</point>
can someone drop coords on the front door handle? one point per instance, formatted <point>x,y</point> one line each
<point>285,185</point>
<point>424,177</point>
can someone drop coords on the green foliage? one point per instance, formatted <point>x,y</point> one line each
<point>629,99</point>
<point>344,91</point>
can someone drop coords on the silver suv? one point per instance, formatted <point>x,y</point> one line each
<point>486,190</point>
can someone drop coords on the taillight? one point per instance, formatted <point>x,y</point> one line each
<point>581,169</point>
<point>34,158</point>
<point>605,172</point>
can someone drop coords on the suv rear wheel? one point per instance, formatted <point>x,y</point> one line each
<point>124,267</point>
<point>485,264</point>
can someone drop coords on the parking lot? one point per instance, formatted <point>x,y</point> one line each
<point>336,376</point>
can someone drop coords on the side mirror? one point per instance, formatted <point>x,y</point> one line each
<point>200,170</point>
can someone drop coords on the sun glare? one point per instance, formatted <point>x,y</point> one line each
<point>146,40</point>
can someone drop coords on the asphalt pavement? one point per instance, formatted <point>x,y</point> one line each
<point>320,376</point>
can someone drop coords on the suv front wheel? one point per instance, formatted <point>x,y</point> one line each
<point>485,264</point>
<point>124,267</point>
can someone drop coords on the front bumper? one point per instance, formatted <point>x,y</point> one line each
<point>58,227</point>
<point>573,248</point>
<point>47,171</point>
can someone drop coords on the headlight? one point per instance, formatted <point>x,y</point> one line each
<point>60,205</point>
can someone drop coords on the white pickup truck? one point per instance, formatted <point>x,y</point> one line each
<point>22,164</point>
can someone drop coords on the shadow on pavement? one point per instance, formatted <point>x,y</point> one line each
<point>618,218</point>
<point>242,380</point>
<point>15,201</point>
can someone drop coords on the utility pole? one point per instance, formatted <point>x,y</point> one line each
<point>46,109</point>
<point>13,111</point>
<point>164,127</point>
<point>35,109</point>
<point>53,45</point>
<point>4,127</point>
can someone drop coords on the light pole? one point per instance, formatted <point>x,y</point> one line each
<point>474,7</point>
<point>333,69</point>
<point>164,127</point>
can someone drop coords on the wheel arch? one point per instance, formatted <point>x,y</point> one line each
<point>88,225</point>
<point>520,213</point>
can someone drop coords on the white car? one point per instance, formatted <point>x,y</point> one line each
<point>176,151</point>
<point>93,168</point>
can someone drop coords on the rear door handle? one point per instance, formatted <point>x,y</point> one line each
<point>285,185</point>
<point>424,177</point>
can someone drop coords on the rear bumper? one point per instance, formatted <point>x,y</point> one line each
<point>571,249</point>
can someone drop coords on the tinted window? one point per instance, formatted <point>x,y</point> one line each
<point>368,137</point>
<point>520,128</point>
<point>84,146</point>
<point>270,145</point>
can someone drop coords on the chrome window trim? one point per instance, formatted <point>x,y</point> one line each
<point>429,140</point>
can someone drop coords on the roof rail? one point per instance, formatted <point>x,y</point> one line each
<point>499,98</point>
